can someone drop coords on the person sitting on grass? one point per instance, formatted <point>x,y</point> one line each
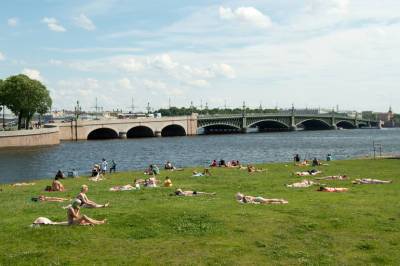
<point>167,182</point>
<point>252,169</point>
<point>60,174</point>
<point>189,193</point>
<point>258,200</point>
<point>302,184</point>
<point>315,162</point>
<point>168,166</point>
<point>98,177</point>
<point>332,189</point>
<point>95,170</point>
<point>310,172</point>
<point>85,202</point>
<point>371,181</point>
<point>75,218</point>
<point>214,163</point>
<point>50,199</point>
<point>56,185</point>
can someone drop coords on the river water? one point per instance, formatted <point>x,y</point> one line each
<point>27,164</point>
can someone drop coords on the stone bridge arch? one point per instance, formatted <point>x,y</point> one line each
<point>140,131</point>
<point>173,130</point>
<point>102,133</point>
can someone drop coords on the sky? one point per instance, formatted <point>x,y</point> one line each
<point>310,53</point>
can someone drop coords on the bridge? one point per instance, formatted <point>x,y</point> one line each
<point>215,124</point>
<point>279,122</point>
<point>129,128</point>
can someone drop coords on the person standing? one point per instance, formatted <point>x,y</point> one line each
<point>104,165</point>
<point>113,166</point>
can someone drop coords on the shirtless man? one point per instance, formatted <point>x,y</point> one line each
<point>51,199</point>
<point>189,193</point>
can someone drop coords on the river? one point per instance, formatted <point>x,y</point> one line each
<point>132,154</point>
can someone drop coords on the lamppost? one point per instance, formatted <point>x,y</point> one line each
<point>4,122</point>
<point>78,112</point>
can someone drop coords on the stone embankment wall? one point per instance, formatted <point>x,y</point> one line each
<point>49,135</point>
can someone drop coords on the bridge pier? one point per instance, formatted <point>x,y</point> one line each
<point>157,133</point>
<point>334,127</point>
<point>122,135</point>
<point>292,128</point>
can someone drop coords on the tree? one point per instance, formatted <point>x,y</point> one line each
<point>25,97</point>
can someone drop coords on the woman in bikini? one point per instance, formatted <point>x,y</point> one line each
<point>75,218</point>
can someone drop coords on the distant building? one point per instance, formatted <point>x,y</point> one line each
<point>387,118</point>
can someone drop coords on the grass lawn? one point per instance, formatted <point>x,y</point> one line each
<point>149,227</point>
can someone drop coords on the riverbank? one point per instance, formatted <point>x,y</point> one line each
<point>148,226</point>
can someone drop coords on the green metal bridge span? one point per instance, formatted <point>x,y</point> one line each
<point>280,122</point>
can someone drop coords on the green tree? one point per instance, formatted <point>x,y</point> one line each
<point>25,97</point>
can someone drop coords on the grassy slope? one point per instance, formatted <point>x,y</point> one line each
<point>150,227</point>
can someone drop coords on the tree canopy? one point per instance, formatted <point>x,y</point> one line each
<point>24,97</point>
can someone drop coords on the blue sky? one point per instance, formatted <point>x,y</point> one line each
<point>313,53</point>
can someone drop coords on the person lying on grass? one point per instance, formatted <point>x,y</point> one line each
<point>371,181</point>
<point>151,182</point>
<point>22,184</point>
<point>303,163</point>
<point>258,200</point>
<point>189,193</point>
<point>75,218</point>
<point>333,177</point>
<point>123,188</point>
<point>206,172</point>
<point>310,172</point>
<point>252,169</point>
<point>332,189</point>
<point>302,184</point>
<point>85,202</point>
<point>52,199</point>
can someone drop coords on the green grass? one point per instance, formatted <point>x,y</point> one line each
<point>149,227</point>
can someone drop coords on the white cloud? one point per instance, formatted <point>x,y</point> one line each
<point>55,62</point>
<point>127,63</point>
<point>33,74</point>
<point>13,22</point>
<point>84,22</point>
<point>2,57</point>
<point>224,70</point>
<point>249,15</point>
<point>163,61</point>
<point>329,6</point>
<point>125,83</point>
<point>201,83</point>
<point>53,24</point>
